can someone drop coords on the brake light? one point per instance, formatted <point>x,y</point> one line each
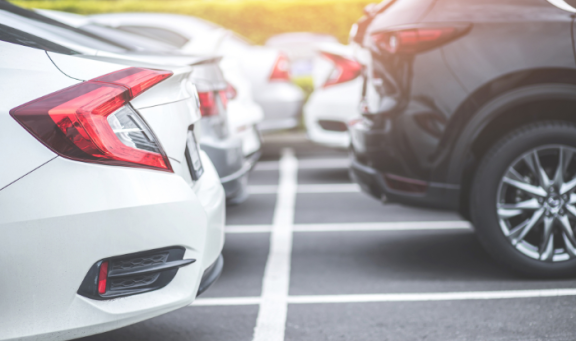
<point>345,69</point>
<point>417,39</point>
<point>281,70</point>
<point>208,106</point>
<point>94,122</point>
<point>102,277</point>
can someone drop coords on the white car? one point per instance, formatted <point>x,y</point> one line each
<point>243,113</point>
<point>232,154</point>
<point>266,68</point>
<point>301,48</point>
<point>337,92</point>
<point>109,212</point>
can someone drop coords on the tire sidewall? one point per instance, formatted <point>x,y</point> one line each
<point>485,189</point>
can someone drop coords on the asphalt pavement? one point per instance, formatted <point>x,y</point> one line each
<point>310,257</point>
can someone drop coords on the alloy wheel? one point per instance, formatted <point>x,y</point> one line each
<point>536,203</point>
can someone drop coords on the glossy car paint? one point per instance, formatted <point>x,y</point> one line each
<point>337,102</point>
<point>225,150</point>
<point>58,216</point>
<point>434,114</point>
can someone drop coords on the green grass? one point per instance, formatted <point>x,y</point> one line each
<point>255,19</point>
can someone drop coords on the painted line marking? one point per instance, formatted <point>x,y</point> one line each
<point>323,188</point>
<point>376,298</point>
<point>271,321</point>
<point>359,227</point>
<point>306,164</point>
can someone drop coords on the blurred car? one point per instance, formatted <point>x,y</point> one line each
<point>227,152</point>
<point>470,106</point>
<point>110,214</point>
<point>242,112</point>
<point>266,68</point>
<point>337,92</point>
<point>301,48</point>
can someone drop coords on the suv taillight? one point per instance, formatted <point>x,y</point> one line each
<point>94,122</point>
<point>281,70</point>
<point>420,38</point>
<point>345,69</point>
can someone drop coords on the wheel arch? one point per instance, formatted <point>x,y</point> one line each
<point>498,116</point>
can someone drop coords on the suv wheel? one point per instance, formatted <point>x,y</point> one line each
<point>523,200</point>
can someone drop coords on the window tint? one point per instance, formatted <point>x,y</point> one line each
<point>160,34</point>
<point>52,27</point>
<point>14,36</point>
<point>135,42</point>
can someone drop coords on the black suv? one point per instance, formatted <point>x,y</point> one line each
<point>471,105</point>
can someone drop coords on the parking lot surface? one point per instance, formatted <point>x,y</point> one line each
<point>309,257</point>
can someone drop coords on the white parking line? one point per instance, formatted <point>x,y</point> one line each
<point>358,227</point>
<point>323,188</point>
<point>375,298</point>
<point>306,164</point>
<point>271,321</point>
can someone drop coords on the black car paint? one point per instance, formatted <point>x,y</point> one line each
<point>442,109</point>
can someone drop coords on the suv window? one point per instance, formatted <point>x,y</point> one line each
<point>14,36</point>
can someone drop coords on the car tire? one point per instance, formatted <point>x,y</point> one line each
<point>492,193</point>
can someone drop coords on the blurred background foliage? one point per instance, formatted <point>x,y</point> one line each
<point>257,20</point>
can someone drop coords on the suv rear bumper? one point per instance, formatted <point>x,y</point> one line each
<point>377,184</point>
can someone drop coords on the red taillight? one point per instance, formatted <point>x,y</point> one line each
<point>102,277</point>
<point>417,39</point>
<point>93,121</point>
<point>281,71</point>
<point>208,105</point>
<point>345,69</point>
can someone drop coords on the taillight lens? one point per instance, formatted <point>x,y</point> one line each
<point>417,39</point>
<point>209,102</point>
<point>94,122</point>
<point>281,70</point>
<point>208,105</point>
<point>345,69</point>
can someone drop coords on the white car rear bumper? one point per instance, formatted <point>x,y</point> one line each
<point>65,216</point>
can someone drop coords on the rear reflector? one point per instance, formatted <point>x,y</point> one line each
<point>94,122</point>
<point>418,39</point>
<point>281,70</point>
<point>102,277</point>
<point>345,69</point>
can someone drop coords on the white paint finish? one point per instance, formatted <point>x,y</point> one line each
<point>359,227</point>
<point>30,69</point>
<point>376,298</point>
<point>66,215</point>
<point>271,321</point>
<point>306,164</point>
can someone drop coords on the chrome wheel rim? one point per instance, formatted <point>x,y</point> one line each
<point>536,203</point>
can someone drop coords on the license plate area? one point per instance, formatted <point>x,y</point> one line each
<point>193,156</point>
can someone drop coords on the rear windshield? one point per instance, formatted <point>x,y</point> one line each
<point>14,36</point>
<point>160,34</point>
<point>48,28</point>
